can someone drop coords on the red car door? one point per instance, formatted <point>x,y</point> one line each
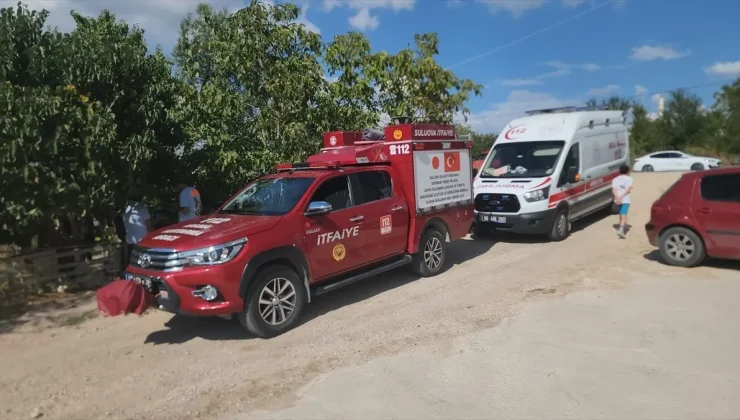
<point>385,212</point>
<point>334,242</point>
<point>717,208</point>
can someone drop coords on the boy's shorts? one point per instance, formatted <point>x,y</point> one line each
<point>623,209</point>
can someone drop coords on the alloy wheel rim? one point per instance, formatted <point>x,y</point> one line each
<point>433,253</point>
<point>277,301</point>
<point>680,247</point>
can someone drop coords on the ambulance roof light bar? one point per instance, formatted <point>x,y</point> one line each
<point>566,109</point>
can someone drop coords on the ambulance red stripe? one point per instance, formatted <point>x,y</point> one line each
<point>581,189</point>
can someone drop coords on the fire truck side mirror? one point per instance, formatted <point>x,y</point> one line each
<point>317,208</point>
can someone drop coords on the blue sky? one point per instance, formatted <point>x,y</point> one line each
<point>527,53</point>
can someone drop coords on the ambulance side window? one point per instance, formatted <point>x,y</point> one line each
<point>572,159</point>
<point>334,191</point>
<point>371,186</point>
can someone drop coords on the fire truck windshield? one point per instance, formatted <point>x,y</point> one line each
<point>268,197</point>
<point>529,159</point>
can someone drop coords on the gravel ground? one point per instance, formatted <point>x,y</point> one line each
<point>69,363</point>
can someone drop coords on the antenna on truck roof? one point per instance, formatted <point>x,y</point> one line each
<point>565,109</point>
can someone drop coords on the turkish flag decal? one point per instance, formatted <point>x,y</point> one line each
<point>452,161</point>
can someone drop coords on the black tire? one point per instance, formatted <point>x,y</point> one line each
<point>251,319</point>
<point>648,168</point>
<point>697,167</point>
<point>560,226</point>
<point>692,252</point>
<point>432,244</point>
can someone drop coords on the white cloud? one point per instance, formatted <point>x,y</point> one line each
<point>160,19</point>
<point>603,91</point>
<point>364,21</point>
<point>560,69</point>
<point>517,103</point>
<point>640,90</point>
<point>657,52</point>
<point>515,7</point>
<point>302,19</point>
<point>519,82</point>
<point>394,5</point>
<point>725,69</point>
<point>573,3</point>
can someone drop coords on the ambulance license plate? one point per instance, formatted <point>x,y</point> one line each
<point>494,219</point>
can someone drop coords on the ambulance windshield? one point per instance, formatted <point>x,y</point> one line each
<point>531,159</point>
<point>268,197</point>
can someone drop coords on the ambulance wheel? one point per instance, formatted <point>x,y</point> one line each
<point>431,256</point>
<point>561,226</point>
<point>274,303</point>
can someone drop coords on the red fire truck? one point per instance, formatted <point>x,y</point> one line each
<point>358,208</point>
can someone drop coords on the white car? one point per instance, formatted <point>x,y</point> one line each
<point>673,161</point>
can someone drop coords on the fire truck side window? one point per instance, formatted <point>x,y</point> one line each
<point>371,186</point>
<point>335,191</point>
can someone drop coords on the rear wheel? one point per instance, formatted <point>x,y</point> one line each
<point>697,167</point>
<point>561,227</point>
<point>647,168</point>
<point>275,302</point>
<point>681,247</point>
<point>430,259</point>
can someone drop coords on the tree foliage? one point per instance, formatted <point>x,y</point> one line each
<point>86,114</point>
<point>93,113</point>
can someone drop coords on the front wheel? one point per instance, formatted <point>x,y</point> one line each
<point>431,256</point>
<point>561,227</point>
<point>275,303</point>
<point>697,167</point>
<point>681,247</point>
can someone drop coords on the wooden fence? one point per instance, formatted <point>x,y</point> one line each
<point>74,266</point>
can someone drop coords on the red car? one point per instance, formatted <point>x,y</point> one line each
<point>698,216</point>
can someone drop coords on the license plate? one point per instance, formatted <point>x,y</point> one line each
<point>140,280</point>
<point>498,219</point>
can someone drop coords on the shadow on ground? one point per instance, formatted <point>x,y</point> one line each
<point>577,226</point>
<point>51,310</point>
<point>181,329</point>
<point>654,256</point>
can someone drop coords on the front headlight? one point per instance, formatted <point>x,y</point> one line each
<point>213,255</point>
<point>537,195</point>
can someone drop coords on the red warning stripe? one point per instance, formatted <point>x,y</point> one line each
<point>581,189</point>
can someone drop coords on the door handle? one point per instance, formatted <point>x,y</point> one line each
<point>356,218</point>
<point>704,210</point>
<point>397,208</point>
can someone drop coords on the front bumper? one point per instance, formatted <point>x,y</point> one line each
<point>525,223</point>
<point>174,292</point>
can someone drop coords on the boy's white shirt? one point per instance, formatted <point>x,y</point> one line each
<point>623,186</point>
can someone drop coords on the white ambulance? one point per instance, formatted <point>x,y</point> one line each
<point>548,169</point>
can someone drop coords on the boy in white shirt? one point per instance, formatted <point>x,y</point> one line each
<point>621,189</point>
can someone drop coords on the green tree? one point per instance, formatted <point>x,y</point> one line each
<point>614,102</point>
<point>86,113</point>
<point>411,83</point>
<point>727,109</point>
<point>254,94</point>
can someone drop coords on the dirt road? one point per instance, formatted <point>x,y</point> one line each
<point>594,310</point>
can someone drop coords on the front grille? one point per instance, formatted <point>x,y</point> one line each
<point>497,203</point>
<point>156,259</point>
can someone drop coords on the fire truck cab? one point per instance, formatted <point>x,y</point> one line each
<point>367,203</point>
